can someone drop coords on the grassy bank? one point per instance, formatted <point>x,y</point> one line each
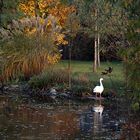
<point>113,81</point>
<point>82,76</point>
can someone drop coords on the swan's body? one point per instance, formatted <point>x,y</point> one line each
<point>99,89</point>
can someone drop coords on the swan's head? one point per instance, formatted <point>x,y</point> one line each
<point>101,79</point>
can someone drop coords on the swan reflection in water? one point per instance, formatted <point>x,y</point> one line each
<point>98,109</point>
<point>91,120</point>
<point>98,119</point>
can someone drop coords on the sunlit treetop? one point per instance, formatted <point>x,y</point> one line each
<point>43,8</point>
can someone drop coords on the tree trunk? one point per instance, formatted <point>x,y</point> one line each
<point>36,7</point>
<point>98,50</point>
<point>95,46</point>
<point>1,6</point>
<point>69,66</point>
<point>37,23</point>
<point>95,54</point>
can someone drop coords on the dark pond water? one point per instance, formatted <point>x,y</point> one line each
<point>71,121</point>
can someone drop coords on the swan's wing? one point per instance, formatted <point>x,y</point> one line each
<point>96,89</point>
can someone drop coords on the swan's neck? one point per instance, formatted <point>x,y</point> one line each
<point>101,83</point>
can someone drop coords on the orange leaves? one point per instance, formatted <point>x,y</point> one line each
<point>46,27</point>
<point>52,59</point>
<point>61,12</point>
<point>28,8</point>
<point>60,39</point>
<point>47,7</point>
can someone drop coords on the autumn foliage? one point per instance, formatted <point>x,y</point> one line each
<point>33,44</point>
<point>43,8</point>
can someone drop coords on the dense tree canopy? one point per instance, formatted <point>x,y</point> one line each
<point>131,56</point>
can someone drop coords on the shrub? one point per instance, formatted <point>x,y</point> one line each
<point>59,78</point>
<point>135,106</point>
<point>80,89</point>
<point>81,80</point>
<point>29,49</point>
<point>51,77</point>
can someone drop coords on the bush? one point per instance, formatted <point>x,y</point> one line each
<point>80,89</point>
<point>81,80</point>
<point>135,106</point>
<point>51,77</point>
<point>59,78</point>
<point>28,50</point>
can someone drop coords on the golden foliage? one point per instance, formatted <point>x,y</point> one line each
<point>32,50</point>
<point>45,8</point>
<point>60,39</point>
<point>46,28</point>
<point>28,7</point>
<point>61,12</point>
<point>35,43</point>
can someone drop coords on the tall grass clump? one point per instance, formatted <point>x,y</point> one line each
<point>29,49</point>
<point>48,78</point>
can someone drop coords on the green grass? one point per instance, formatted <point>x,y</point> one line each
<point>114,81</point>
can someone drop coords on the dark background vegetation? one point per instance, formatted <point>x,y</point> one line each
<point>83,49</point>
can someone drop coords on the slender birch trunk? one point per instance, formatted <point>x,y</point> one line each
<point>70,53</point>
<point>95,46</point>
<point>98,49</point>
<point>69,66</point>
<point>95,54</point>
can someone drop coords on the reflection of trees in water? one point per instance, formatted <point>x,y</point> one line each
<point>26,122</point>
<point>53,123</point>
<point>86,121</point>
<point>7,126</point>
<point>42,123</point>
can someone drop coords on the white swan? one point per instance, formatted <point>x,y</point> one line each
<point>99,89</point>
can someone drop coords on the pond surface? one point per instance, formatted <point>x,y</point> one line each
<point>72,121</point>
